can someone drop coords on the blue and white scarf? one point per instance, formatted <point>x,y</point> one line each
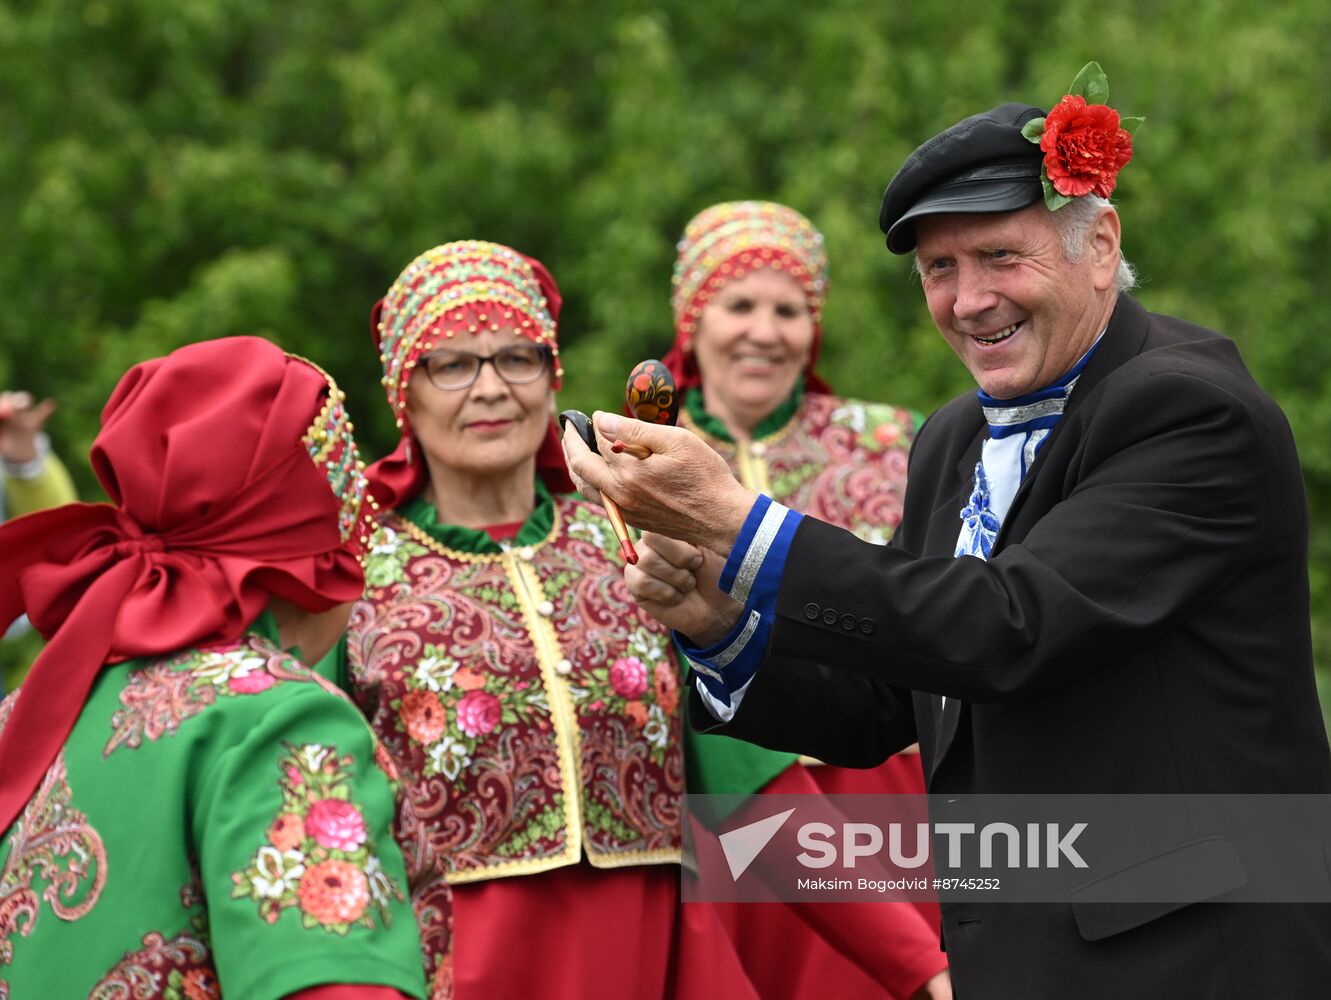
<point>1017,429</point>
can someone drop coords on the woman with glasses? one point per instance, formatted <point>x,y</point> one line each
<point>533,710</point>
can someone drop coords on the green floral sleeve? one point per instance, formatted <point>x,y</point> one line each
<point>304,882</point>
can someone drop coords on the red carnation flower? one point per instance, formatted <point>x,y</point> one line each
<point>1084,147</point>
<point>200,984</point>
<point>637,711</point>
<point>667,688</point>
<point>468,679</point>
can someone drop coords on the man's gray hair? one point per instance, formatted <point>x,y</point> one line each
<point>1073,222</point>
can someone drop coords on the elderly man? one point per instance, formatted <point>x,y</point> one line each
<point>1121,607</point>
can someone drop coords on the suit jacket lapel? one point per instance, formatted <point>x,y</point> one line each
<point>947,525</point>
<point>1122,341</point>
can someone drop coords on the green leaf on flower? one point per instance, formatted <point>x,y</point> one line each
<point>1052,198</point>
<point>1033,129</point>
<point>1092,84</point>
<point>1130,124</point>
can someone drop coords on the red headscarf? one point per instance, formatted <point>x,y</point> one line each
<point>728,241</point>
<point>218,460</point>
<point>460,287</point>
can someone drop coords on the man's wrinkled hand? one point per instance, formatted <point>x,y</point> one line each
<point>676,583</point>
<point>682,489</point>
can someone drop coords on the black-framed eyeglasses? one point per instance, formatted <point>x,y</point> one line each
<point>516,365</point>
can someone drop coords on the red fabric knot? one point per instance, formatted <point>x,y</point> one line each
<point>135,546</point>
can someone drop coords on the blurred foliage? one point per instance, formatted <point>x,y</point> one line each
<point>173,172</point>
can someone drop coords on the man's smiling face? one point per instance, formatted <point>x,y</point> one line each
<point>1005,297</point>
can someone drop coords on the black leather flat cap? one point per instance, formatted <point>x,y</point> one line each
<point>982,164</point>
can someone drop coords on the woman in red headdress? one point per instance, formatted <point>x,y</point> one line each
<point>186,809</point>
<point>533,709</point>
<point>748,290</point>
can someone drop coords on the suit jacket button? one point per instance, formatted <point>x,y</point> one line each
<point>866,626</point>
<point>812,611</point>
<point>829,616</point>
<point>848,623</point>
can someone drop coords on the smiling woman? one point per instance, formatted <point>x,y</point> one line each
<point>754,337</point>
<point>748,293</point>
<point>749,287</point>
<point>533,710</point>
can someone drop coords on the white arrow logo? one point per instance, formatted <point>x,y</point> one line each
<point>743,844</point>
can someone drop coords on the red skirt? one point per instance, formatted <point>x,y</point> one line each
<point>578,932</point>
<point>900,774</point>
<point>839,949</point>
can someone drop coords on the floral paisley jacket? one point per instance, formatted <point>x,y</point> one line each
<point>532,708</point>
<point>219,820</point>
<point>840,460</point>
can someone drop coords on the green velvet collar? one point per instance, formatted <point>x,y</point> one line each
<point>773,422</point>
<point>534,530</point>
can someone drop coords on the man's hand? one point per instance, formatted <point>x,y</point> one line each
<point>675,583</point>
<point>683,489</point>
<point>21,420</point>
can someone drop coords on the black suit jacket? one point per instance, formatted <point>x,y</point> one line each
<point>1142,626</point>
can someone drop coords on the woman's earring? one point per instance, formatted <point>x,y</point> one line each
<point>408,451</point>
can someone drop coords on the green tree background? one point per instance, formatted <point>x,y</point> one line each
<point>174,172</point>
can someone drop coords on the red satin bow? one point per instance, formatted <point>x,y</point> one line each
<point>218,508</point>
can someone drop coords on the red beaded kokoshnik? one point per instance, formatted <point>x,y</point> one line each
<point>462,287</point>
<point>467,286</point>
<point>729,241</point>
<point>331,443</point>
